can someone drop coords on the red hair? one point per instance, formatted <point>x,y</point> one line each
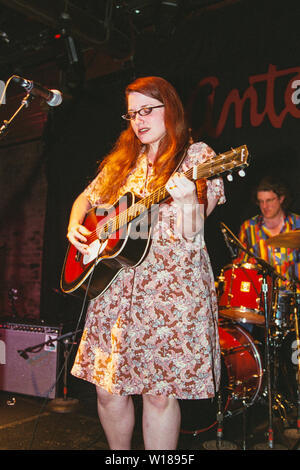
<point>128,147</point>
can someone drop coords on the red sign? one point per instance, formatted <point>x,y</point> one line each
<point>260,106</point>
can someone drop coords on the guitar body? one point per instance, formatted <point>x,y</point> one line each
<point>125,247</point>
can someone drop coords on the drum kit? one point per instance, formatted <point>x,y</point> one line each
<point>259,338</point>
<point>259,331</point>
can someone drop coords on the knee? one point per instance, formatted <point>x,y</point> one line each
<point>103,397</point>
<point>160,403</point>
<point>109,400</point>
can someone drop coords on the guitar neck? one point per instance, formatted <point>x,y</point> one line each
<point>235,158</point>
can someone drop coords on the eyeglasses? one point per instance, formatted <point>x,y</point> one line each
<point>267,201</point>
<point>142,112</point>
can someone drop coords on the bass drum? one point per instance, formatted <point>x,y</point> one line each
<point>241,379</point>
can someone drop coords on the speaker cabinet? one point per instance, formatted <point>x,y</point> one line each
<point>27,365</point>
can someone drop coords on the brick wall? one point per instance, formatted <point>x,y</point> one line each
<point>23,189</point>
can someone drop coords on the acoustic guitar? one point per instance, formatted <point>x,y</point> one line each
<point>121,234</point>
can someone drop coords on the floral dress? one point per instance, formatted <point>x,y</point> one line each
<point>155,329</point>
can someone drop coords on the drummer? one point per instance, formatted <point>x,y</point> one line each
<point>275,219</point>
<point>273,199</point>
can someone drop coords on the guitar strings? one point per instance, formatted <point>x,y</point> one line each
<point>133,210</point>
<point>121,219</point>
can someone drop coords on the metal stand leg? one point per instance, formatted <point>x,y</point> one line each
<point>219,443</point>
<point>65,404</point>
<point>269,445</point>
<point>219,422</point>
<point>294,433</point>
<point>244,444</point>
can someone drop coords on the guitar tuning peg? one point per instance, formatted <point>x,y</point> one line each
<point>242,173</point>
<point>229,177</point>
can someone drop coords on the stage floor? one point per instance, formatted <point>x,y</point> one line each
<point>32,423</point>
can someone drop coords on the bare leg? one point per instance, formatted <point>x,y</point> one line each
<point>161,422</point>
<point>116,414</point>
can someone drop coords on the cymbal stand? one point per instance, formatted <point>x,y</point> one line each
<point>296,320</point>
<point>295,432</point>
<point>267,359</point>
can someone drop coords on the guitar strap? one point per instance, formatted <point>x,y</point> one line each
<point>182,157</point>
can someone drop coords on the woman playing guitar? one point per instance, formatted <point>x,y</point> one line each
<point>153,331</point>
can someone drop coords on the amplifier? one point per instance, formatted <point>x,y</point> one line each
<point>29,359</point>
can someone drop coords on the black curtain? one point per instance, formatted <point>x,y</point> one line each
<point>79,133</point>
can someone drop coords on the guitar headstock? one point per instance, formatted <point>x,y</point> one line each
<point>239,159</point>
<point>236,159</point>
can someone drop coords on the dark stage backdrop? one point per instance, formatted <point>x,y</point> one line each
<point>235,68</point>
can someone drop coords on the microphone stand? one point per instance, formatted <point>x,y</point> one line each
<point>266,270</point>
<point>219,443</point>
<point>25,103</point>
<point>65,404</point>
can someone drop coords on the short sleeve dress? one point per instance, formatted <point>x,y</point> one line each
<point>155,329</point>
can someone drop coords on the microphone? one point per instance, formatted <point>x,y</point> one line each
<point>52,97</point>
<point>228,244</point>
<point>23,354</point>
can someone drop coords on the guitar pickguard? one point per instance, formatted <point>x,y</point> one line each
<point>96,248</point>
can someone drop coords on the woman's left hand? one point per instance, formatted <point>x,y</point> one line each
<point>182,190</point>
<point>190,214</point>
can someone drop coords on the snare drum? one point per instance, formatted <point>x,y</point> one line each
<point>241,297</point>
<point>241,380</point>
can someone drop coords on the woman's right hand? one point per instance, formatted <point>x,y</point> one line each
<point>78,236</point>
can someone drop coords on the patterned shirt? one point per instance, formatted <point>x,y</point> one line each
<point>254,236</point>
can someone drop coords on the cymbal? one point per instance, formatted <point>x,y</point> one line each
<point>243,315</point>
<point>286,240</point>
